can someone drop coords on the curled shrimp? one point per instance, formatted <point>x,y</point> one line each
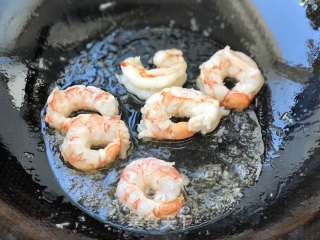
<point>61,103</point>
<point>204,113</point>
<point>170,71</point>
<point>147,175</point>
<point>92,130</point>
<point>237,65</point>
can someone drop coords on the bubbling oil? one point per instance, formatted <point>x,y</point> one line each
<point>216,167</point>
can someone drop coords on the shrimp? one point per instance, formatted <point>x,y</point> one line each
<point>147,175</point>
<point>170,71</point>
<point>204,113</point>
<point>61,103</point>
<point>92,130</point>
<point>237,65</point>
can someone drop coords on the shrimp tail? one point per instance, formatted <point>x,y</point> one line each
<point>180,131</point>
<point>236,100</point>
<point>168,208</point>
<point>113,149</point>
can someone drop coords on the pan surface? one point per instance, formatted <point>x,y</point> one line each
<point>64,47</point>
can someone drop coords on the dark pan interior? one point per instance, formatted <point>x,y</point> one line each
<point>283,41</point>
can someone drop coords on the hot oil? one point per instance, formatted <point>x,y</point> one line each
<point>216,167</point>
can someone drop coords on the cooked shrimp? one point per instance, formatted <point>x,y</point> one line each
<point>170,71</point>
<point>237,65</point>
<point>151,175</point>
<point>92,130</point>
<point>61,103</point>
<point>204,113</point>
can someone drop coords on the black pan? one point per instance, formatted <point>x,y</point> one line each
<point>42,41</point>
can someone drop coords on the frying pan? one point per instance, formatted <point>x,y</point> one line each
<point>38,40</point>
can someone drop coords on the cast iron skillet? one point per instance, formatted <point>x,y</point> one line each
<point>279,37</point>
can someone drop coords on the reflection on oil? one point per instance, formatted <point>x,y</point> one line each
<point>13,20</point>
<point>312,12</point>
<point>16,73</point>
<point>281,112</point>
<point>291,33</point>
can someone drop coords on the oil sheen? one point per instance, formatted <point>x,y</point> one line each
<point>216,167</point>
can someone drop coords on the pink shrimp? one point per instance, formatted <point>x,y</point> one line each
<point>204,113</point>
<point>170,71</point>
<point>237,65</point>
<point>90,130</point>
<point>151,173</point>
<point>61,103</point>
